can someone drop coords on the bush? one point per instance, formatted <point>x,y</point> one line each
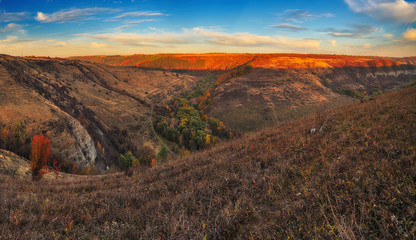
<point>40,151</point>
<point>163,153</point>
<point>145,154</point>
<point>126,160</point>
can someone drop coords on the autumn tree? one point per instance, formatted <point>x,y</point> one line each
<point>4,137</point>
<point>39,156</point>
<point>19,132</point>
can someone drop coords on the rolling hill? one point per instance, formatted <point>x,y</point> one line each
<point>343,173</point>
<point>93,112</point>
<point>278,87</point>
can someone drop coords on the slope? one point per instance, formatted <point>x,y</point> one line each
<point>343,173</point>
<point>91,112</point>
<point>278,87</point>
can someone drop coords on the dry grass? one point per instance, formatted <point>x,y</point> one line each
<point>354,179</point>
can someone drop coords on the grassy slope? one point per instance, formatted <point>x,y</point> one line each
<point>355,179</point>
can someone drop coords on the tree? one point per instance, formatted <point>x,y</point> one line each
<point>163,153</point>
<point>39,156</point>
<point>19,130</point>
<point>126,160</point>
<point>3,137</point>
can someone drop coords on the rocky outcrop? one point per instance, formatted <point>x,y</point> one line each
<point>86,152</point>
<point>390,73</point>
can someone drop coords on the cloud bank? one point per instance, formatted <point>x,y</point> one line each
<point>385,10</point>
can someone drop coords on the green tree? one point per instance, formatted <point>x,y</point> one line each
<point>126,160</point>
<point>163,153</point>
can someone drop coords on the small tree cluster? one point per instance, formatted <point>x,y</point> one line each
<point>39,156</point>
<point>13,138</point>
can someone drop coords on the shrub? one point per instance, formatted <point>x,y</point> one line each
<point>126,160</point>
<point>40,151</point>
<point>163,153</point>
<point>19,129</point>
<point>145,154</point>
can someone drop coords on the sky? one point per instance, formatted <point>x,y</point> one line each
<point>62,28</point>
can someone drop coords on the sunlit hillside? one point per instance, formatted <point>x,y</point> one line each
<point>222,61</point>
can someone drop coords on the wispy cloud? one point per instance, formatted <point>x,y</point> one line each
<point>135,39</point>
<point>206,37</point>
<point>290,27</point>
<point>10,27</point>
<point>71,15</point>
<point>139,14</point>
<point>234,39</point>
<point>355,31</point>
<point>142,21</point>
<point>300,15</point>
<point>385,10</point>
<point>13,16</point>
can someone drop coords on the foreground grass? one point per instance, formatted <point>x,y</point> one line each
<point>354,179</point>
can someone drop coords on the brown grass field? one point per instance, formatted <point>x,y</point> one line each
<point>352,178</point>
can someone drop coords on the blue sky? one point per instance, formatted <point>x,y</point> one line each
<point>102,27</point>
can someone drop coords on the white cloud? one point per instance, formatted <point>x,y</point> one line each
<point>300,15</point>
<point>289,26</point>
<point>235,39</point>
<point>410,34</point>
<point>141,21</point>
<point>70,15</point>
<point>389,36</point>
<point>10,27</point>
<point>207,37</point>
<point>354,31</point>
<point>9,38</point>
<point>390,10</point>
<point>140,14</point>
<point>14,16</point>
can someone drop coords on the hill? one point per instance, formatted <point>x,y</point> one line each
<point>91,112</point>
<point>346,173</point>
<point>227,61</point>
<point>278,87</point>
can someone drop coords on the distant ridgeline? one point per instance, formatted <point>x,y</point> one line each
<point>223,61</point>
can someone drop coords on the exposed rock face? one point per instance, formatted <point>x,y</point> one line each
<point>391,73</point>
<point>87,152</point>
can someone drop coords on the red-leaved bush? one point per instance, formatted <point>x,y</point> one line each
<point>39,156</point>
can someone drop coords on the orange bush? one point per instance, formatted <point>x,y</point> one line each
<point>39,156</point>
